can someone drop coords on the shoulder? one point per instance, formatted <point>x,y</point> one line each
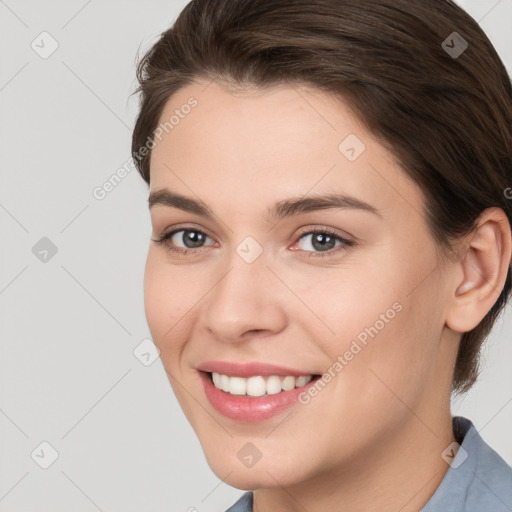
<point>492,483</point>
<point>478,478</point>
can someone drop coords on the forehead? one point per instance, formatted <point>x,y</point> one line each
<point>283,140</point>
<point>262,120</point>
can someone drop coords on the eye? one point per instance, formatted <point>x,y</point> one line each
<point>323,241</point>
<point>319,243</point>
<point>191,240</point>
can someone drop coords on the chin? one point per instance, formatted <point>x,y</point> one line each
<point>273,470</point>
<point>251,479</point>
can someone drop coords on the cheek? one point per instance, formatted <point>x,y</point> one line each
<point>351,302</point>
<point>170,292</point>
<point>383,332</point>
<point>169,299</point>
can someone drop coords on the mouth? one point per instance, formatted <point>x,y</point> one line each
<point>254,398</point>
<point>259,385</point>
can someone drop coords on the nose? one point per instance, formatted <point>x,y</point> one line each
<point>247,302</point>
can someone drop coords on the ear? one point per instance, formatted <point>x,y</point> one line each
<point>484,265</point>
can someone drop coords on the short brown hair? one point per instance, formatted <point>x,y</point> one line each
<point>447,118</point>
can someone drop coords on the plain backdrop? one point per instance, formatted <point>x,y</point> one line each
<point>71,295</point>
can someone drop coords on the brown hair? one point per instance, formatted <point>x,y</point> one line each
<point>447,118</point>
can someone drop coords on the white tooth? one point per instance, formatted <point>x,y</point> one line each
<point>216,379</point>
<point>300,381</point>
<point>273,385</point>
<point>288,383</point>
<point>256,386</point>
<point>237,385</point>
<point>224,382</point>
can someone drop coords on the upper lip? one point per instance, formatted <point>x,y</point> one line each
<point>249,369</point>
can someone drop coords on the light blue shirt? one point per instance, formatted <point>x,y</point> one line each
<point>478,479</point>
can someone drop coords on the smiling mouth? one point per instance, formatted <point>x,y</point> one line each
<point>258,386</point>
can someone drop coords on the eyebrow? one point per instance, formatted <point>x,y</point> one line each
<point>280,210</point>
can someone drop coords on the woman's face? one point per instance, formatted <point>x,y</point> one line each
<point>260,283</point>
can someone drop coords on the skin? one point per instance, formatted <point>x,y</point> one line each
<point>372,439</point>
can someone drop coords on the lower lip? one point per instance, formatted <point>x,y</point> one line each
<point>250,409</point>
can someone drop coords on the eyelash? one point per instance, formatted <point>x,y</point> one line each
<point>164,238</point>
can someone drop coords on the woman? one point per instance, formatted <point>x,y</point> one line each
<point>331,245</point>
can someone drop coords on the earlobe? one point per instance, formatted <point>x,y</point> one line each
<point>485,265</point>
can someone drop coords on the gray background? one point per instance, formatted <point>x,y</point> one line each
<point>70,324</point>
